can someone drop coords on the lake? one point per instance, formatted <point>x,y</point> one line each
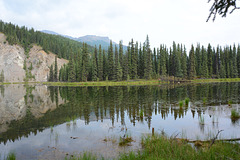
<point>46,122</point>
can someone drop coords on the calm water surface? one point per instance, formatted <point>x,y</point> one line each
<point>41,122</point>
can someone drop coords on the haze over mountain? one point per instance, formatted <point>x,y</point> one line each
<point>91,40</point>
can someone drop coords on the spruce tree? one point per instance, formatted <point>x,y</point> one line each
<point>210,61</point>
<point>184,62</point>
<point>198,60</point>
<point>2,76</point>
<point>166,59</point>
<point>110,62</point>
<point>121,53</point>
<point>125,67</point>
<point>238,60</point>
<point>171,64</point>
<point>158,62</point>
<point>105,66</point>
<point>147,60</point>
<point>177,56</point>
<point>116,64</point>
<point>217,63</point>
<point>234,59</point>
<point>100,64</point>
<point>230,61</point>
<point>96,56</point>
<point>129,56</point>
<point>163,61</point>
<point>56,70</point>
<point>94,75</point>
<point>192,70</point>
<point>51,76</point>
<point>154,62</point>
<point>78,68</point>
<point>204,67</point>
<point>227,62</point>
<point>71,72</point>
<point>222,65</point>
<point>119,72</point>
<point>140,63</point>
<point>134,57</point>
<point>85,64</point>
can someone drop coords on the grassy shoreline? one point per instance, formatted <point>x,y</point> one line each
<point>126,83</point>
<point>162,147</point>
<point>95,83</point>
<point>216,80</point>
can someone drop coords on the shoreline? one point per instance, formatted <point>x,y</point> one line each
<point>127,83</point>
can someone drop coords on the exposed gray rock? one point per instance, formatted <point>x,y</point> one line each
<point>12,62</point>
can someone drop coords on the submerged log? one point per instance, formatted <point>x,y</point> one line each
<point>206,141</point>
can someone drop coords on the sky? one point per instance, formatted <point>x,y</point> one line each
<point>164,21</point>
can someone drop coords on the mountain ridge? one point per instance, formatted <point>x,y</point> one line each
<point>89,39</point>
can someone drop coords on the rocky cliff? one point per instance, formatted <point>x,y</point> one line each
<point>12,62</point>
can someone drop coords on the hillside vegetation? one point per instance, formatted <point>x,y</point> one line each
<point>63,47</point>
<point>140,61</point>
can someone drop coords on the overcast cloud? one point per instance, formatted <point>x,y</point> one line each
<point>165,21</point>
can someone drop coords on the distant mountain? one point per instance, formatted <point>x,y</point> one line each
<point>50,32</point>
<point>91,40</point>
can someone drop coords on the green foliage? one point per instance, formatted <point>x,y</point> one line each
<point>125,67</point>
<point>25,64</point>
<point>11,156</point>
<point>89,64</point>
<point>71,71</point>
<point>141,113</point>
<point>94,69</point>
<point>192,70</point>
<point>204,66</point>
<point>124,141</point>
<point>161,147</point>
<point>25,37</point>
<point>180,104</point>
<point>147,54</point>
<point>85,64</point>
<point>235,115</point>
<point>119,72</point>
<point>100,64</point>
<point>2,76</point>
<point>187,101</point>
<point>51,76</point>
<point>204,100</point>
<point>134,59</point>
<point>230,103</point>
<point>184,62</point>
<point>55,76</point>
<point>84,156</point>
<point>210,59</point>
<point>110,62</point>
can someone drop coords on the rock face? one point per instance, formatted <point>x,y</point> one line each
<point>12,62</point>
<point>41,62</point>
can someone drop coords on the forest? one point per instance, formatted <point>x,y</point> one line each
<point>87,63</point>
<point>140,62</point>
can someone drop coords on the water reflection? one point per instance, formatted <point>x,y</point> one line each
<point>29,110</point>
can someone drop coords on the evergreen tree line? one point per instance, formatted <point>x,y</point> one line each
<point>53,73</point>
<point>87,63</point>
<point>25,37</point>
<point>140,62</point>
